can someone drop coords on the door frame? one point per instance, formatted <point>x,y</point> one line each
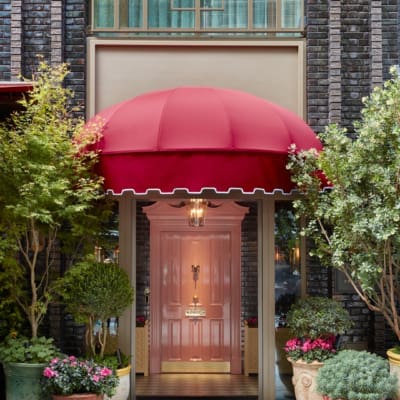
<point>166,216</point>
<point>266,281</point>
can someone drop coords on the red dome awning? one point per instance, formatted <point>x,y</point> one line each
<point>196,138</point>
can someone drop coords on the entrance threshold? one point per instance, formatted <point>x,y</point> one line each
<point>192,386</point>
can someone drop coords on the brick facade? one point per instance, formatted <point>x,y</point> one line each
<point>350,47</point>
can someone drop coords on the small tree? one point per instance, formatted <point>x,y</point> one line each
<point>356,222</point>
<point>47,186</point>
<point>95,291</point>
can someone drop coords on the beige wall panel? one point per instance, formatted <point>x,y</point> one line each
<point>120,72</point>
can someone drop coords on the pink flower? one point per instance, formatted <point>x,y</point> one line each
<point>105,372</point>
<point>307,346</point>
<point>55,360</point>
<point>49,373</point>
<point>96,378</point>
<point>292,344</point>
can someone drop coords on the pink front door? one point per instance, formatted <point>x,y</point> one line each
<point>195,289</point>
<point>196,293</point>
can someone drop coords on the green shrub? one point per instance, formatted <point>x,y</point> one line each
<point>95,291</point>
<point>316,317</point>
<point>24,350</point>
<point>356,375</point>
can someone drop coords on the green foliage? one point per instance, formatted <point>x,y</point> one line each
<point>112,361</point>
<point>355,224</point>
<point>315,317</point>
<point>356,375</point>
<point>48,186</point>
<point>95,291</point>
<point>24,350</point>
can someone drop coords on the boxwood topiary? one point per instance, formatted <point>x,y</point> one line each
<point>315,317</point>
<point>95,291</point>
<point>356,375</point>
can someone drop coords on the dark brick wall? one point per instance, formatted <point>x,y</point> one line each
<point>390,36</point>
<point>76,21</point>
<point>355,59</point>
<point>317,64</point>
<point>36,18</point>
<point>249,258</point>
<point>142,259</point>
<point>318,277</point>
<point>5,34</point>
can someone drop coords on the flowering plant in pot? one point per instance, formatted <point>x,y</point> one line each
<point>355,375</point>
<point>68,376</point>
<point>94,292</point>
<point>315,323</point>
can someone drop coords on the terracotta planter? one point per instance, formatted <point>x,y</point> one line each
<point>394,363</point>
<point>78,396</point>
<point>304,379</point>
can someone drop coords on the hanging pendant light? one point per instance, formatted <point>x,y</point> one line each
<point>197,210</point>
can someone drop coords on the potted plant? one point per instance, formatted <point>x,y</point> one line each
<point>315,323</point>
<point>68,378</point>
<point>30,355</point>
<point>93,293</point>
<point>47,182</point>
<point>355,375</point>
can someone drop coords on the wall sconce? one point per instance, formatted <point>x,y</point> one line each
<point>197,209</point>
<point>295,258</point>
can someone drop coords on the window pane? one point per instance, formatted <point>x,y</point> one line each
<point>233,14</point>
<point>264,13</point>
<point>211,3</point>
<point>183,3</point>
<point>291,14</point>
<point>135,8</point>
<point>162,16</point>
<point>104,14</point>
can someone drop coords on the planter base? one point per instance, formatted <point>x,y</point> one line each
<point>78,396</point>
<point>304,380</point>
<point>23,381</point>
<point>123,388</point>
<point>394,363</point>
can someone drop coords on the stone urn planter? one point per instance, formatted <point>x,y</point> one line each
<point>394,364</point>
<point>304,379</point>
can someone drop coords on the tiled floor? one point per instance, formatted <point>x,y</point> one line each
<point>205,386</point>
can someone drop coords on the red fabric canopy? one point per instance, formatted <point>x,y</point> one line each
<point>196,138</point>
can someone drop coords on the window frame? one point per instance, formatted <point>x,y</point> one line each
<point>250,30</point>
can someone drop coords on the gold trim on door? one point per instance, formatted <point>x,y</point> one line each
<point>220,367</point>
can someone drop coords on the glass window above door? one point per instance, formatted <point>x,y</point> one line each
<point>197,18</point>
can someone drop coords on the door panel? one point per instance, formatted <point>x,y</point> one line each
<point>175,337</point>
<point>195,339</point>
